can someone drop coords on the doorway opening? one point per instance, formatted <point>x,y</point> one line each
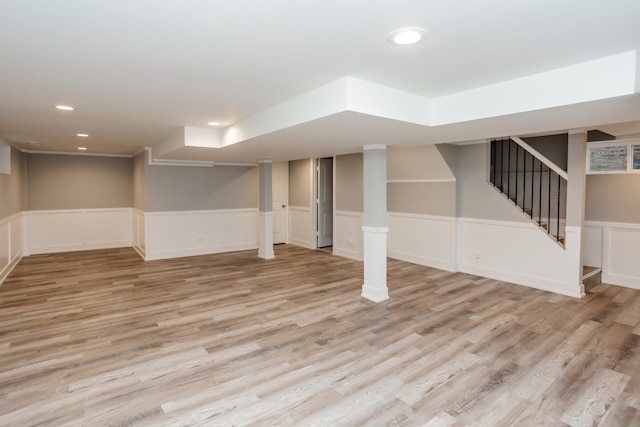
<point>324,203</point>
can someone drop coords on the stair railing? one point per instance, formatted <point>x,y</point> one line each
<point>532,182</point>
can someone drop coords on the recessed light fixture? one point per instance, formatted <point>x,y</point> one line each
<point>65,107</point>
<point>407,36</point>
<point>214,123</point>
<point>83,135</point>
<point>82,148</point>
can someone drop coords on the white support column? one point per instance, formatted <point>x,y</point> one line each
<point>265,217</point>
<point>576,185</point>
<point>375,223</point>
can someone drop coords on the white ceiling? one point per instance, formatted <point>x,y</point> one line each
<point>137,71</point>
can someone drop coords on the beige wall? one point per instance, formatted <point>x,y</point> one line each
<point>423,198</point>
<point>11,187</point>
<point>424,162</point>
<point>613,198</point>
<point>436,195</point>
<point>58,181</point>
<point>476,198</point>
<point>349,184</point>
<point>300,183</point>
<point>184,188</point>
<point>139,181</point>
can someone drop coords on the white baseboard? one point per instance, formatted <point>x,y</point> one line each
<point>535,282</point>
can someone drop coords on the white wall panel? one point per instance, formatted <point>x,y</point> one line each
<point>229,230</point>
<point>520,253</point>
<point>177,234</point>
<point>621,255</point>
<point>301,227</point>
<point>11,242</point>
<point>108,227</point>
<point>423,239</point>
<point>55,231</point>
<point>5,247</point>
<point>347,235</point>
<point>74,230</point>
<point>174,234</point>
<point>138,235</point>
<point>15,232</point>
<point>592,247</point>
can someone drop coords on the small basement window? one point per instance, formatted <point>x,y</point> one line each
<point>622,156</point>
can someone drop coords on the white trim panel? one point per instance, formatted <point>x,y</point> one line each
<point>423,239</point>
<point>301,226</point>
<point>78,229</point>
<point>347,235</point>
<point>619,247</point>
<point>187,233</point>
<point>10,244</point>
<point>495,249</point>
<point>139,232</point>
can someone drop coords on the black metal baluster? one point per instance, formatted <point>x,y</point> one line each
<point>509,170</point>
<point>549,201</point>
<point>517,171</point>
<point>558,230</point>
<point>524,181</point>
<point>492,175</point>
<point>540,194</point>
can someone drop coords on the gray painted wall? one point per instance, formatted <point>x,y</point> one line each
<point>78,181</point>
<point>349,183</point>
<point>11,187</point>
<point>613,198</point>
<point>300,183</point>
<point>184,188</point>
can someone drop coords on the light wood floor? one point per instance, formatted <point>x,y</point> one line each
<point>103,338</point>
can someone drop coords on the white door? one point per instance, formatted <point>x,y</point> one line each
<point>325,202</point>
<point>279,198</point>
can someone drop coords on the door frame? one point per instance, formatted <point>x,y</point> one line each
<point>315,173</point>
<point>284,191</point>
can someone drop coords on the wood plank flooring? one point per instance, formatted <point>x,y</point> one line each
<point>101,338</point>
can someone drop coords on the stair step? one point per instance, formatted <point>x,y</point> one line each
<point>591,277</point>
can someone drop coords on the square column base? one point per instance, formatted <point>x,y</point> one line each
<point>265,235</point>
<point>375,264</point>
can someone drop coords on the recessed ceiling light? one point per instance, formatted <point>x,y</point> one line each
<point>214,123</point>
<point>83,135</point>
<point>407,36</point>
<point>65,107</point>
<point>82,148</point>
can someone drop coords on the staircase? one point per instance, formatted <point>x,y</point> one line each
<point>533,183</point>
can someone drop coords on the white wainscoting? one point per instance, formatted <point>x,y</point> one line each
<point>520,253</point>
<point>592,249</point>
<point>10,243</point>
<point>617,246</point>
<point>78,229</point>
<point>139,232</point>
<point>423,239</point>
<point>187,233</point>
<point>301,227</point>
<point>347,235</point>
